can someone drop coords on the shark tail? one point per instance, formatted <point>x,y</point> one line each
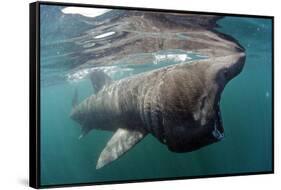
<point>75,98</point>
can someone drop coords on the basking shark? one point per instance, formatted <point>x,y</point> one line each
<point>179,105</point>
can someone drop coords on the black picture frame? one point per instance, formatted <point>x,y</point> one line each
<point>34,92</point>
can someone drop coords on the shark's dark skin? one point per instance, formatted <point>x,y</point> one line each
<point>179,104</point>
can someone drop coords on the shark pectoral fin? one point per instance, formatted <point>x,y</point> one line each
<point>99,79</point>
<point>120,143</point>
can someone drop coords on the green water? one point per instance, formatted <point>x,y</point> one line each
<point>246,107</point>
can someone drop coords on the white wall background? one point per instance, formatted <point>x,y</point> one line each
<point>14,75</point>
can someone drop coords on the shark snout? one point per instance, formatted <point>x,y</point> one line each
<point>235,66</point>
<point>241,61</point>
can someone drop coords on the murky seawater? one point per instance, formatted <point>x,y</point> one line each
<point>246,107</point>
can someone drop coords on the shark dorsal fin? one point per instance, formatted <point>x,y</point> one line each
<point>122,141</point>
<point>99,79</point>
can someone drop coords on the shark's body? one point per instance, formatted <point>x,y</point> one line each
<point>179,105</point>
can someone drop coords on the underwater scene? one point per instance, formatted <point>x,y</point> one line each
<point>144,95</point>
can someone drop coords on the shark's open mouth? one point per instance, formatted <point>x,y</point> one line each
<point>218,131</point>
